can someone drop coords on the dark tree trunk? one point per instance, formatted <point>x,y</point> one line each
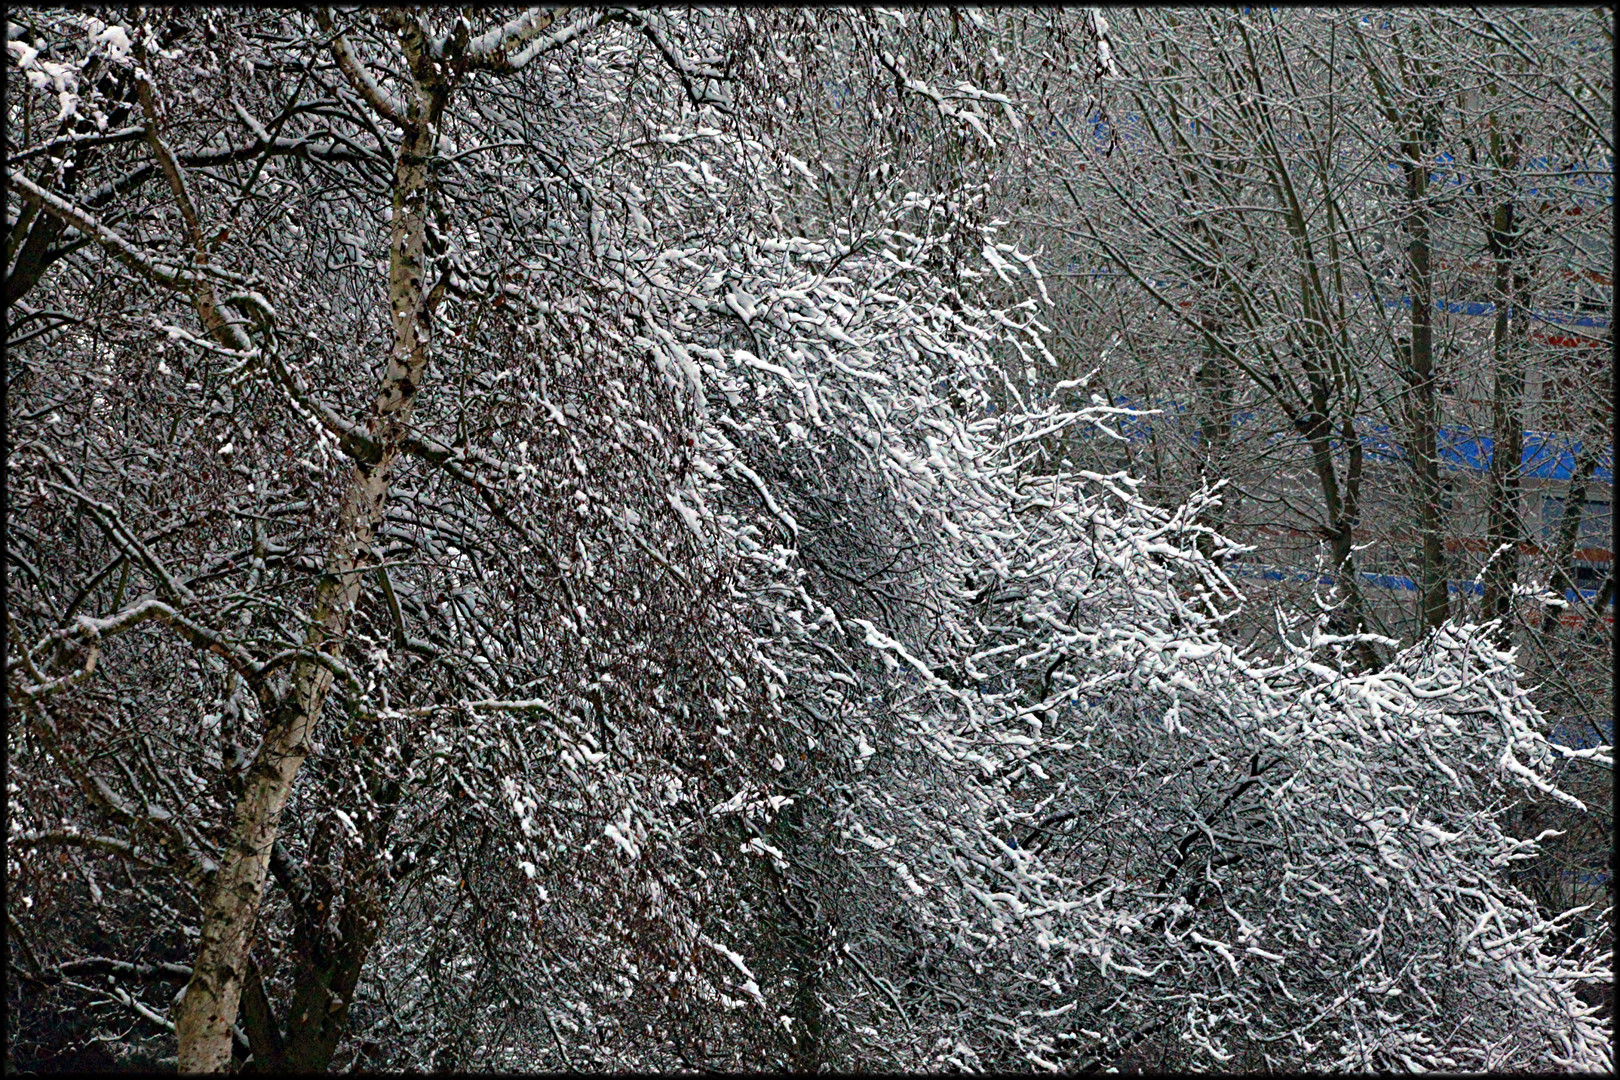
<point>1503,528</point>
<point>1422,400</point>
<point>1569,528</point>
<point>1214,381</point>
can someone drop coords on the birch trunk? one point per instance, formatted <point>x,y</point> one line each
<point>208,1010</point>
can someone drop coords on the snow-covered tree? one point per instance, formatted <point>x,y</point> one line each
<point>1156,850</point>
<point>401,370</point>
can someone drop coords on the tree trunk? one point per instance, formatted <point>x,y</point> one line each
<point>1591,421</point>
<point>1569,529</point>
<point>1503,528</point>
<point>319,1012</point>
<point>32,260</point>
<point>1214,382</point>
<point>208,1010</point>
<point>1422,401</point>
<point>1342,503</point>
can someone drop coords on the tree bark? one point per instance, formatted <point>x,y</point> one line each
<point>1342,503</point>
<point>1214,382</point>
<point>1569,527</point>
<point>1503,527</point>
<point>208,1010</point>
<point>1423,404</point>
<point>331,966</point>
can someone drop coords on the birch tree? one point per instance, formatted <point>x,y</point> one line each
<point>426,598</point>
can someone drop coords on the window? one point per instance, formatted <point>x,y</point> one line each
<point>1597,528</point>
